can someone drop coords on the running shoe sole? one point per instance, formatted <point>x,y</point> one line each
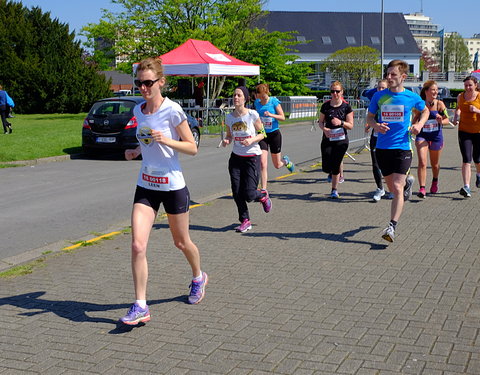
<point>139,320</point>
<point>387,237</point>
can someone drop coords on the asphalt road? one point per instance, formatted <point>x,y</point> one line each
<point>62,202</point>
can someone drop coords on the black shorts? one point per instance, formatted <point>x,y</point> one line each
<point>174,201</point>
<point>273,140</point>
<point>394,161</point>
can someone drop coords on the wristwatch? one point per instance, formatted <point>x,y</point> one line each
<point>342,123</point>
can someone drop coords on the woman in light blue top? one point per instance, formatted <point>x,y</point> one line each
<point>270,111</point>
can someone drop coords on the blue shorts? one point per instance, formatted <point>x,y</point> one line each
<point>434,140</point>
<point>174,201</point>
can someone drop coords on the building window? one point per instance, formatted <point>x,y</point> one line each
<point>399,40</point>
<point>326,40</point>
<point>351,40</point>
<point>301,39</point>
<point>375,39</point>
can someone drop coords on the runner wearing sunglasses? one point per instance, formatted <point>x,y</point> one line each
<point>162,132</point>
<point>336,117</point>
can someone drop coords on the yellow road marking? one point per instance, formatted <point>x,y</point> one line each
<point>91,240</point>
<point>286,175</point>
<point>76,246</point>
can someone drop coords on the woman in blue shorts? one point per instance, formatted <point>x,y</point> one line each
<point>162,132</point>
<point>429,142</point>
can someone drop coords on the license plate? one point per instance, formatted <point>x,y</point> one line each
<point>106,140</point>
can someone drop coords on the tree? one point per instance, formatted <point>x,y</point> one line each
<point>356,66</point>
<point>428,62</point>
<point>153,27</point>
<point>456,56</point>
<point>42,67</point>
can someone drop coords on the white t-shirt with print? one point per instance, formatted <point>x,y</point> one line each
<point>160,166</point>
<point>241,128</point>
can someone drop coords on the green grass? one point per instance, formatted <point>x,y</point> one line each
<point>40,136</point>
<point>22,270</point>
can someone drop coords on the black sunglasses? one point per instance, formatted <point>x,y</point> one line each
<point>337,91</point>
<point>147,82</point>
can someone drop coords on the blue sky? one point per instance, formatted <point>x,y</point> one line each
<point>451,16</point>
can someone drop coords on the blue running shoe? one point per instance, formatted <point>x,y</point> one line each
<point>136,315</point>
<point>290,166</point>
<point>197,290</point>
<point>329,178</point>
<point>465,191</point>
<point>334,194</point>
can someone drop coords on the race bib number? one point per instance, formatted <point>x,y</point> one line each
<point>393,113</point>
<point>238,139</point>
<point>337,134</point>
<point>267,122</point>
<point>155,178</point>
<point>430,126</point>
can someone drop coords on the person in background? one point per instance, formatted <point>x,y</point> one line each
<point>10,106</point>
<point>245,130</point>
<point>271,112</point>
<point>467,117</point>
<point>377,173</point>
<point>4,111</point>
<point>389,114</point>
<point>429,142</point>
<point>336,117</point>
<point>163,132</point>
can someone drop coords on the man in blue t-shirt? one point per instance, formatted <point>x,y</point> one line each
<point>394,153</point>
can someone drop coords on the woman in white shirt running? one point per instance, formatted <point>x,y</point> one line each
<point>162,132</point>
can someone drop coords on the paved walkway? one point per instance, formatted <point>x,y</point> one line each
<point>311,289</point>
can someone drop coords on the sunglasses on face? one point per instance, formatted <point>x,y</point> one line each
<point>147,82</point>
<point>335,91</point>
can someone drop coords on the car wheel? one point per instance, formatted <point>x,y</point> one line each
<point>196,136</point>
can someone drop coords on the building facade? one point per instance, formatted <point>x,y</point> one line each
<point>322,33</point>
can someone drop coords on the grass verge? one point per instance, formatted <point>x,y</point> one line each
<point>41,136</point>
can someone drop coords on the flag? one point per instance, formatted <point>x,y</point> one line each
<point>441,46</point>
<point>475,61</point>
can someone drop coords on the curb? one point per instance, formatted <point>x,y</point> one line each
<point>51,159</point>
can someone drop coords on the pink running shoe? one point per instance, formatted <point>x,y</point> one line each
<point>422,193</point>
<point>434,187</point>
<point>266,202</point>
<point>245,226</point>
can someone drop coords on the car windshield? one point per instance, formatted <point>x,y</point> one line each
<point>112,108</point>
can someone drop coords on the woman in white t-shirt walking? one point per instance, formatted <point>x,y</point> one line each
<point>245,130</point>
<point>162,132</point>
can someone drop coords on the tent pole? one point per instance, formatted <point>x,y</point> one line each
<point>208,100</point>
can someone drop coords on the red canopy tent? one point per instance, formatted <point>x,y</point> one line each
<point>200,58</point>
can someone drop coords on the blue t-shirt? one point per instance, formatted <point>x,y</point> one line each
<point>3,98</point>
<point>395,108</point>
<point>269,123</point>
